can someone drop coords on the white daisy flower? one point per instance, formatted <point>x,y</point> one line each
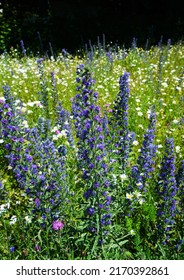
<point>129,196</point>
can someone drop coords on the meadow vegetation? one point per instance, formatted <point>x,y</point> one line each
<point>92,154</point>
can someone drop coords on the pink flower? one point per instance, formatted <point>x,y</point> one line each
<point>57,131</point>
<point>37,248</point>
<point>57,225</point>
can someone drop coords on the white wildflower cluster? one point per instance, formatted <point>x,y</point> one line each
<point>28,219</point>
<point>148,113</point>
<point>59,134</point>
<point>20,106</point>
<point>141,126</point>
<point>4,208</point>
<point>164,84</point>
<point>129,196</point>
<point>177,148</point>
<point>25,124</point>
<point>123,177</point>
<point>175,121</point>
<point>13,220</point>
<point>135,195</point>
<point>139,113</point>
<point>117,178</point>
<point>135,143</point>
<point>36,103</point>
<point>2,99</point>
<point>114,178</point>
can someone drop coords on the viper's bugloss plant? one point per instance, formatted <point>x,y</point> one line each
<point>120,121</point>
<point>180,203</point>
<point>92,161</point>
<point>22,47</point>
<point>63,122</point>
<point>146,159</point>
<point>44,127</point>
<point>166,194</point>
<point>38,166</point>
<point>46,183</point>
<point>141,172</point>
<point>180,186</point>
<point>43,93</point>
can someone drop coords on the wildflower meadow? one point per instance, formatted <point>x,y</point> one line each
<point>92,154</point>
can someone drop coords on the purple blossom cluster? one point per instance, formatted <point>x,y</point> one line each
<point>148,150</point>
<point>145,162</point>
<point>22,47</point>
<point>180,186</point>
<point>1,191</point>
<point>144,167</point>
<point>91,154</point>
<point>64,122</point>
<point>166,191</point>
<point>120,121</point>
<point>43,126</point>
<point>36,163</point>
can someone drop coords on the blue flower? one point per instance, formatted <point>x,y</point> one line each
<point>166,191</point>
<point>119,120</point>
<point>148,150</point>
<point>90,211</point>
<point>12,249</point>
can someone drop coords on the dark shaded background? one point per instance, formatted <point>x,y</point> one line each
<point>70,24</point>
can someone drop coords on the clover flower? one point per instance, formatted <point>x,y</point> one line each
<point>57,225</point>
<point>37,248</point>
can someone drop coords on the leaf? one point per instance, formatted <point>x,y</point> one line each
<point>39,236</point>
<point>123,242</point>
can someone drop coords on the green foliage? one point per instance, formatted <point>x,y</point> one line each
<point>8,28</point>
